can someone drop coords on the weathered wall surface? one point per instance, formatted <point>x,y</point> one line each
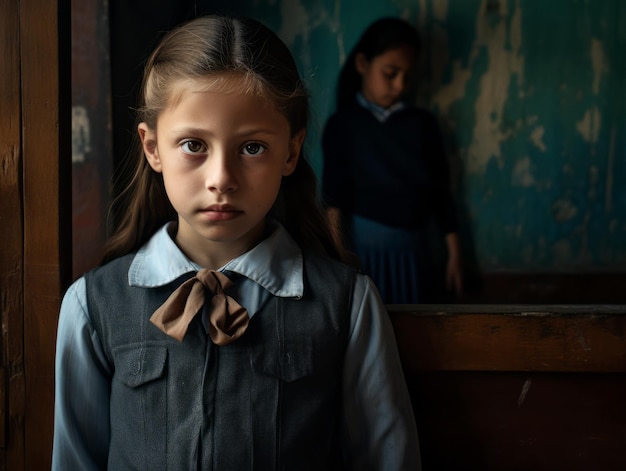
<point>531,95</point>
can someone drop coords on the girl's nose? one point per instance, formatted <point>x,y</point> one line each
<point>221,175</point>
<point>399,83</point>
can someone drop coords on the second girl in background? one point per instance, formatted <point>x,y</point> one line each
<point>386,177</point>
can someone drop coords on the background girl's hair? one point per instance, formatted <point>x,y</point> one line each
<point>211,46</point>
<point>381,36</point>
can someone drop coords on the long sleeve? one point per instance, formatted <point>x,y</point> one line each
<point>380,424</point>
<point>82,389</point>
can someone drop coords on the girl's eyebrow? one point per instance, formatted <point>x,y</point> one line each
<point>255,131</point>
<point>193,130</point>
<point>394,68</point>
<point>187,130</point>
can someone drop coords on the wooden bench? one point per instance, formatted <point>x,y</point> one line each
<point>516,387</point>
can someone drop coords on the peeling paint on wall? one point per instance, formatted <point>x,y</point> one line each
<point>503,61</point>
<point>563,210</point>
<point>589,125</point>
<point>531,98</point>
<point>522,175</point>
<point>599,64</point>
<point>536,136</point>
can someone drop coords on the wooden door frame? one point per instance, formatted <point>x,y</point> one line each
<point>35,213</point>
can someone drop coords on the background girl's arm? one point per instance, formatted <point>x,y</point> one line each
<point>446,206</point>
<point>82,389</point>
<point>379,420</point>
<point>454,269</point>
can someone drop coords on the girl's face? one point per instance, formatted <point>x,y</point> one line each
<point>222,156</point>
<point>387,77</point>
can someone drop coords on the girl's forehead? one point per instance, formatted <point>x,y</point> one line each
<point>199,97</point>
<point>225,82</point>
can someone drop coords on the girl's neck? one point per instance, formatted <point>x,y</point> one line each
<point>214,254</point>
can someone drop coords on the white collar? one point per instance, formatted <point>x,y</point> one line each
<point>275,263</point>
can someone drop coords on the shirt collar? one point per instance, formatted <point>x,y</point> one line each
<point>381,114</point>
<point>275,263</point>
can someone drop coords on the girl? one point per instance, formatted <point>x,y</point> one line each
<point>223,332</point>
<point>385,173</point>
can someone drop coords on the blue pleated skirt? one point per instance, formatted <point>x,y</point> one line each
<point>397,260</point>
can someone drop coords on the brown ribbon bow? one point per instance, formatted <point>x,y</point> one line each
<point>228,320</point>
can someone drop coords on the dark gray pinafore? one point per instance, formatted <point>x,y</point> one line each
<point>271,400</point>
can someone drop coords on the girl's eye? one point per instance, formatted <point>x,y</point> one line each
<point>193,147</point>
<point>254,148</point>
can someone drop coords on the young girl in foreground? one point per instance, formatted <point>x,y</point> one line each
<point>385,170</point>
<point>223,332</point>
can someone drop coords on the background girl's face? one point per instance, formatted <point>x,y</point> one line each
<point>386,77</point>
<point>222,156</point>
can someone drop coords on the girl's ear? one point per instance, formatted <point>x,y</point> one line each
<point>361,63</point>
<point>295,148</point>
<point>148,141</point>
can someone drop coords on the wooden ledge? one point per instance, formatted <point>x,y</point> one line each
<point>506,338</point>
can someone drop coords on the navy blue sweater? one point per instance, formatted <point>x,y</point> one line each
<point>394,172</point>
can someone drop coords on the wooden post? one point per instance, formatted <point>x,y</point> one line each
<point>45,40</point>
<point>35,213</point>
<point>11,250</point>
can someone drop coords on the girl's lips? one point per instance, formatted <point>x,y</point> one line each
<point>221,213</point>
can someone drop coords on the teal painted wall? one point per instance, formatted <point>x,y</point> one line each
<point>531,96</point>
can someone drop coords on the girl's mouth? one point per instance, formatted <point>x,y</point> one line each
<point>221,213</point>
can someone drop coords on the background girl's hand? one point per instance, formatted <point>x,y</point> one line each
<point>454,271</point>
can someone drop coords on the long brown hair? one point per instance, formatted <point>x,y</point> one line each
<point>210,46</point>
